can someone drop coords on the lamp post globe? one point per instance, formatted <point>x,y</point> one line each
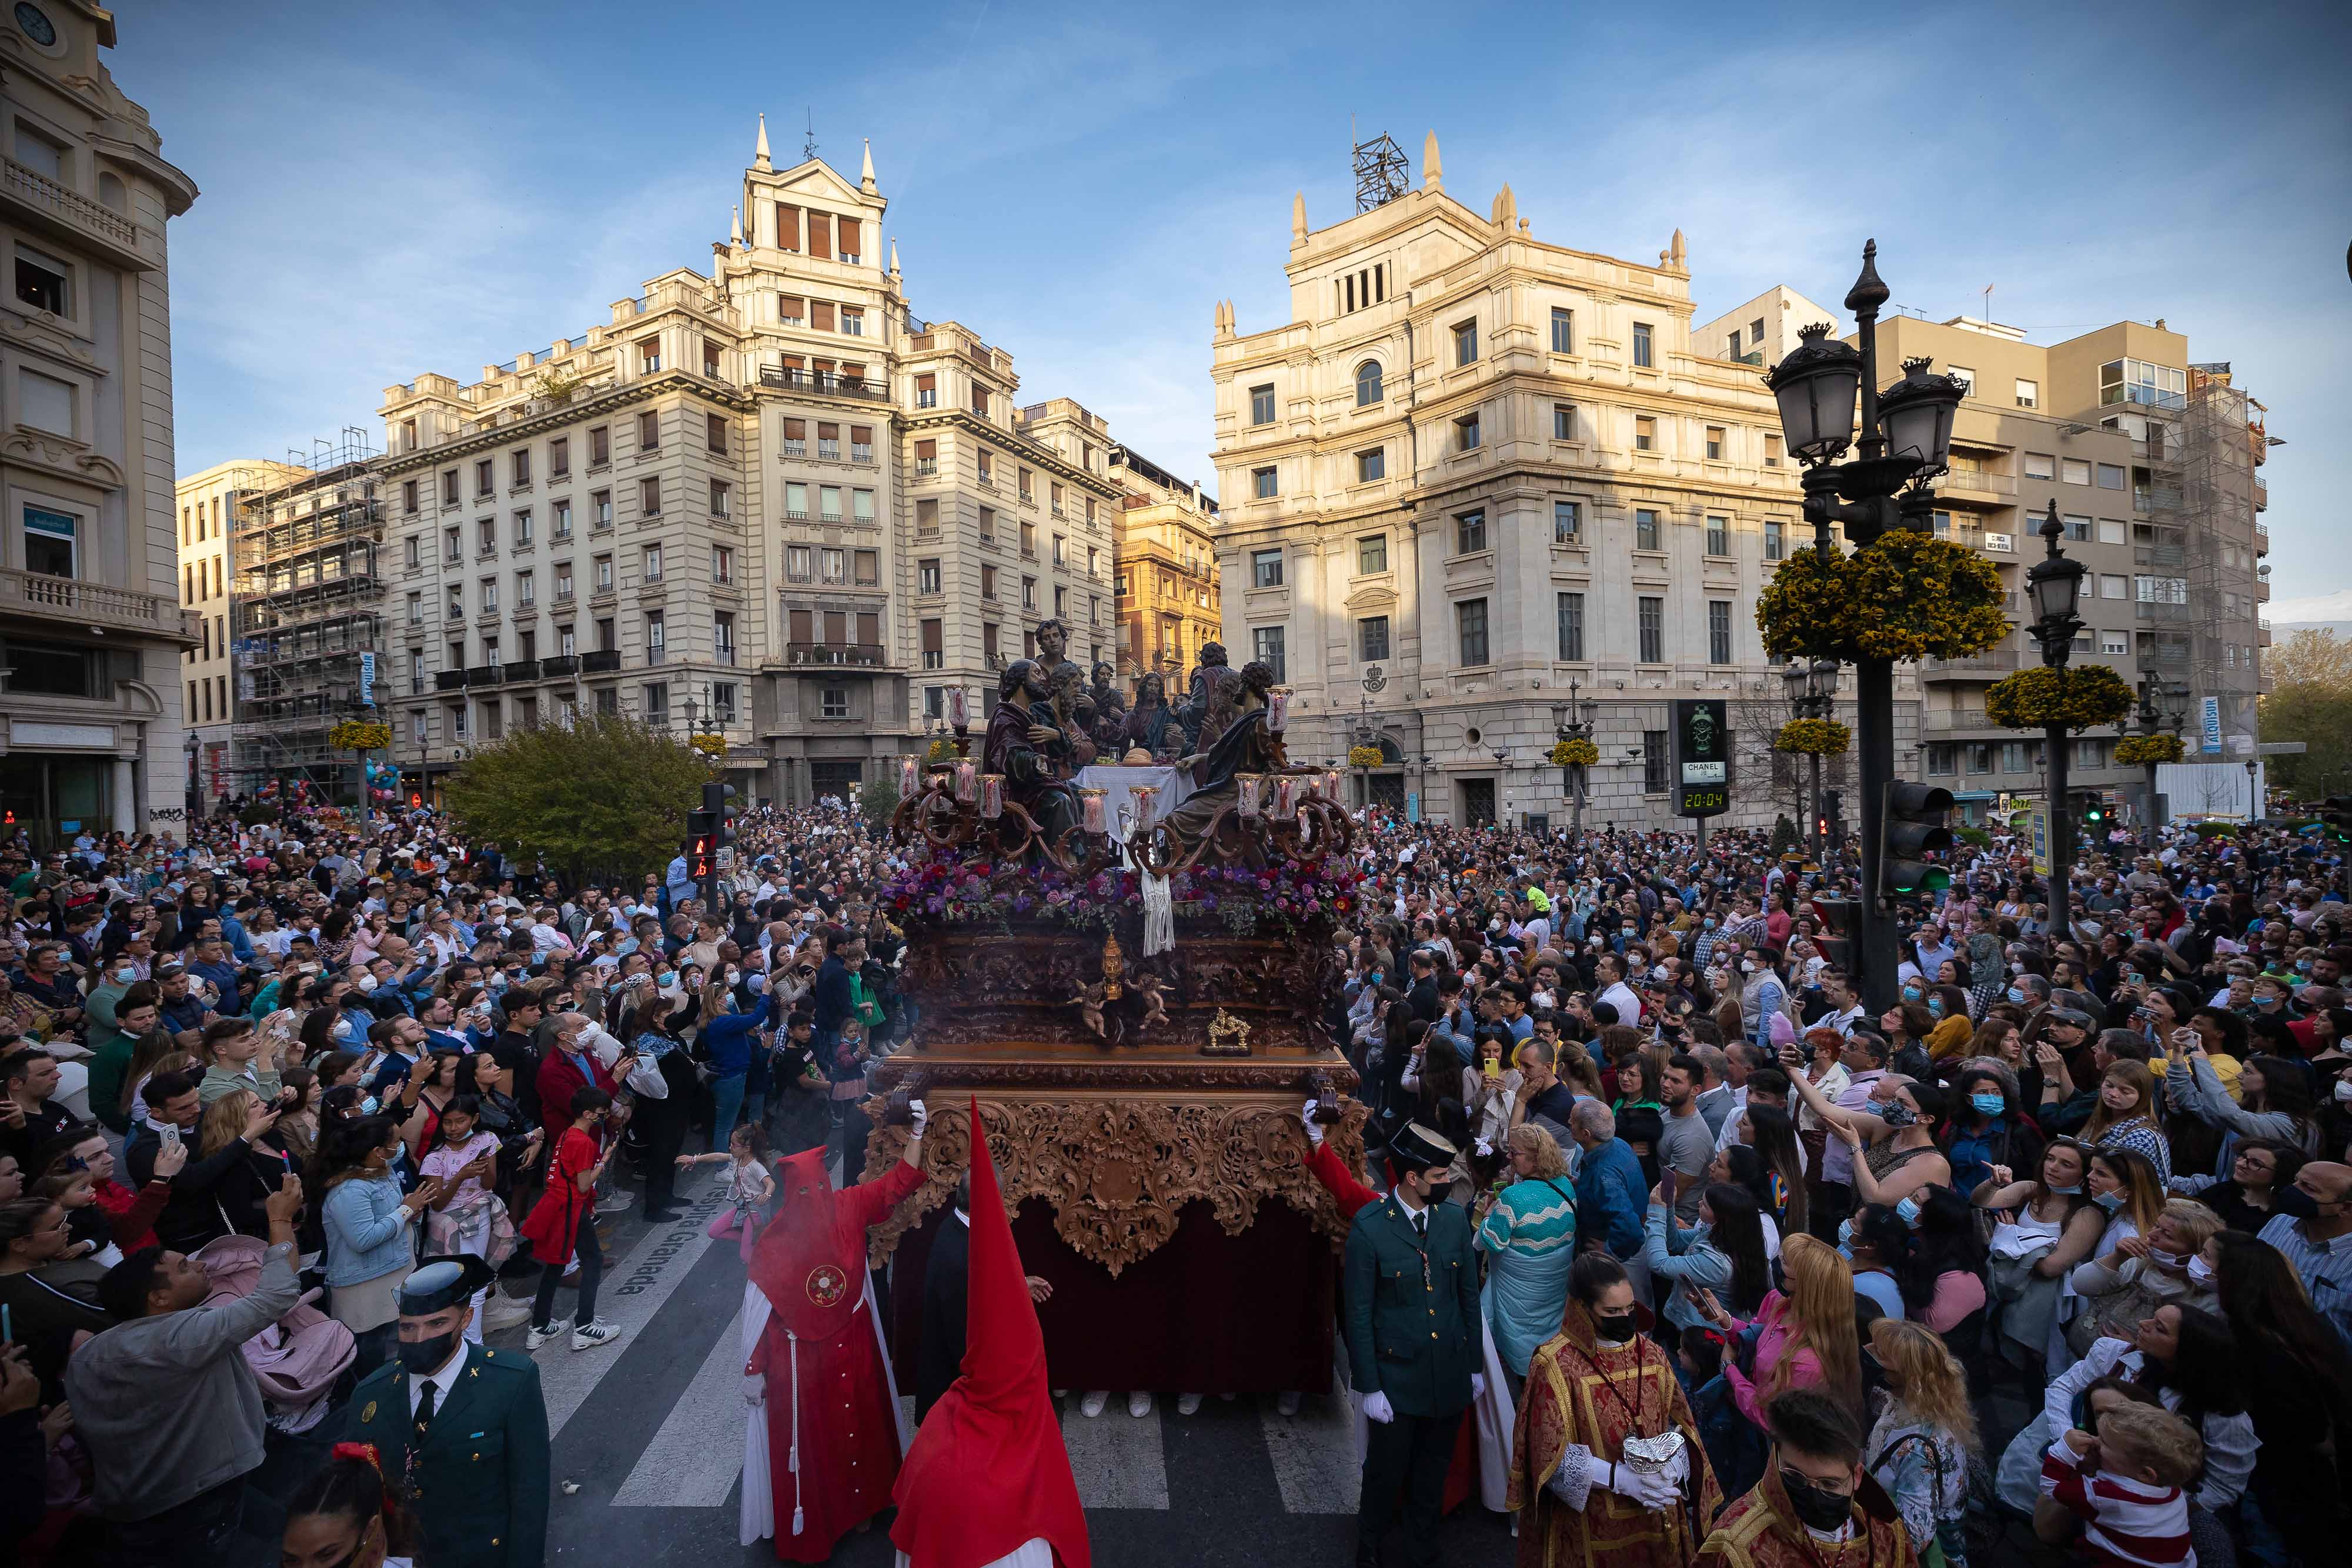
<point>1917,414</point>
<point>1816,387</point>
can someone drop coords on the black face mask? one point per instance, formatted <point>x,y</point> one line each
<point>1615,1328</point>
<point>1815,1507</point>
<point>424,1355</point>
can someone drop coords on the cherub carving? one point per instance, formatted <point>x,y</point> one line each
<point>1154,992</point>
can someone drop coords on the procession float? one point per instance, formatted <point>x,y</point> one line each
<point>1127,967</point>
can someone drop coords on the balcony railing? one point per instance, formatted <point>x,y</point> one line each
<point>2156,555</point>
<point>2146,396</point>
<point>1991,662</point>
<point>561,665</point>
<point>2156,498</point>
<point>2148,610</point>
<point>75,213</point>
<point>862,656</point>
<point>604,663</point>
<point>1981,481</point>
<point>2261,540</point>
<point>2168,453</point>
<point>522,670</point>
<point>868,388</point>
<point>96,604</point>
<point>2261,496</point>
<point>483,676</point>
<point>450,681</point>
<point>1948,719</point>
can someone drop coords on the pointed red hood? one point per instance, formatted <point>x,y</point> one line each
<point>988,1472</point>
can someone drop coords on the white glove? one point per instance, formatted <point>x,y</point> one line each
<point>1477,1386</point>
<point>1651,1491</point>
<point>1377,1408</point>
<point>755,1392</point>
<point>1314,1128</point>
<point>921,1117</point>
<point>1677,1469</point>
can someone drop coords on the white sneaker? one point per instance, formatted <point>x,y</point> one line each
<point>620,1199</point>
<point>1096,1398</point>
<point>538,1336</point>
<point>1287,1402</point>
<point>504,1312</point>
<point>1187,1404</point>
<point>571,1269</point>
<point>1139,1405</point>
<point>588,1336</point>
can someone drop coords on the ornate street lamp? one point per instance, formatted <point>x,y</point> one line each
<point>1573,720</point>
<point>1901,442</point>
<point>2055,583</point>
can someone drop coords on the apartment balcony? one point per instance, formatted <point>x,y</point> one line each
<point>1975,482</point>
<point>2157,555</point>
<point>2262,590</point>
<point>1947,720</point>
<point>2261,540</point>
<point>604,662</point>
<point>2156,498</point>
<point>1991,664</point>
<point>483,676</point>
<point>860,656</point>
<point>449,680</point>
<point>68,216</point>
<point>561,665</point>
<point>97,605</point>
<point>521,670</point>
<point>2164,454</point>
<point>2261,496</point>
<point>867,389</point>
<point>2171,614</point>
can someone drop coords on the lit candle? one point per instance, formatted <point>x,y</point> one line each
<point>1278,709</point>
<point>910,776</point>
<point>1142,796</point>
<point>1285,797</point>
<point>1090,803</point>
<point>992,795</point>
<point>1331,784</point>
<point>967,779</point>
<point>1246,784</point>
<point>958,718</point>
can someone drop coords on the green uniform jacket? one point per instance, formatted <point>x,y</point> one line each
<point>483,1488</point>
<point>1417,1344</point>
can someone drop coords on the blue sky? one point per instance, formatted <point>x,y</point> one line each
<point>393,189</point>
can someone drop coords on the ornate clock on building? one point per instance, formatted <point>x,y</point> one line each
<point>36,24</point>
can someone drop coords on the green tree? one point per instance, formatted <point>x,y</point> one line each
<point>878,796</point>
<point>605,798</point>
<point>2312,704</point>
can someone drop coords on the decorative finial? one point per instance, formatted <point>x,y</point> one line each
<point>894,255</point>
<point>1869,291</point>
<point>1505,215</point>
<point>2052,529</point>
<point>760,153</point>
<point>735,228</point>
<point>1432,173</point>
<point>866,175</point>
<point>1299,218</point>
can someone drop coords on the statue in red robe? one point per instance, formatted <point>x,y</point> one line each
<point>822,1446</point>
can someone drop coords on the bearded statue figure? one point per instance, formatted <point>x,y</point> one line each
<point>1211,676</point>
<point>1244,745</point>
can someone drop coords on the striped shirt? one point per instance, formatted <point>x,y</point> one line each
<point>2131,1522</point>
<point>2325,1267</point>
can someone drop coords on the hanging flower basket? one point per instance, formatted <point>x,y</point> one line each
<point>359,735</point>
<point>1366,757</point>
<point>2077,698</point>
<point>1813,737</point>
<point>2140,750</point>
<point>1575,754</point>
<point>1906,595</point>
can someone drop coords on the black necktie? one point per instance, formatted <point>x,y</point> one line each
<point>418,1426</point>
<point>1420,1224</point>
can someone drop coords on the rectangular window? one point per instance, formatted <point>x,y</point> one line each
<point>988,525</point>
<point>653,563</point>
<point>526,590</point>
<point>649,433</point>
<point>600,445</point>
<point>1028,593</point>
<point>796,502</point>
<point>835,702</point>
<point>487,542</point>
<point>1372,465</point>
<point>1645,433</point>
<point>415,553</point>
<point>714,430</point>
<point>1655,761</point>
<point>1965,376</point>
<point>1650,621</point>
<point>1372,554</point>
<point>524,531</point>
<point>2111,476</point>
<point>1061,550</point>
<point>489,596</point>
<point>722,498</point>
<point>833,565</point>
<point>657,636</point>
<point>798,567</point>
<point>1465,433</point>
<point>934,645</point>
<point>980,400</point>
<point>2074,471</point>
<point>987,581</point>
<point>518,467</point>
<point>1642,350</point>
<point>449,489</point>
<point>1563,330</point>
<point>42,282</point>
<point>1563,422</point>
<point>1470,619</point>
<point>1266,645</point>
<point>927,458</point>
<point>2077,528</point>
<point>1466,343</point>
<point>861,443</point>
<point>2013,757</point>
<point>564,579</point>
<point>2029,394</point>
<point>603,574</point>
<point>865,568</point>
<point>601,501</point>
<point>2113,585</point>
<point>1718,536</point>
<point>1645,529</point>
<point>1265,568</point>
<point>926,516</point>
<point>926,391</point>
<point>1469,532</point>
<point>1772,452</point>
<point>562,521</point>
<point>722,637</point>
<point>1567,522</point>
<point>1718,632</point>
<point>927,575</point>
<point>1715,442</point>
<point>648,356</point>
<point>1372,638</point>
<point>1262,483</point>
<point>452,550</point>
<point>1571,627</point>
<point>1262,404</point>
<point>829,441</point>
<point>1775,539</point>
<point>828,502</point>
<point>483,483</point>
<point>649,497</point>
<point>2113,532</point>
<point>2041,466</point>
<point>722,563</point>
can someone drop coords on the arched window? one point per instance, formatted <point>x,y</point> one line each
<point>1367,382</point>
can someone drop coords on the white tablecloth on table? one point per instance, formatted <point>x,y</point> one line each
<point>1117,785</point>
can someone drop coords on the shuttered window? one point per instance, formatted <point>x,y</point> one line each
<point>925,451</point>
<point>847,228</point>
<point>836,626</point>
<point>820,234</point>
<point>791,309</point>
<point>788,228</point>
<point>869,627</point>
<point>795,430</point>
<point>932,639</point>
<point>821,315</point>
<point>803,629</point>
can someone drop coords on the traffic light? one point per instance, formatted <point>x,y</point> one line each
<point>2335,818</point>
<point>719,804</point>
<point>1840,936</point>
<point>1821,829</point>
<point>702,845</point>
<point>1912,830</point>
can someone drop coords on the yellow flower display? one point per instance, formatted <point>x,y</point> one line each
<point>1813,737</point>
<point>708,745</point>
<point>1365,756</point>
<point>1905,595</point>
<point>1575,754</point>
<point>359,735</point>
<point>2077,698</point>
<point>2139,750</point>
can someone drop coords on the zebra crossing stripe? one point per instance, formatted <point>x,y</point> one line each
<point>1116,1459</point>
<point>632,1293</point>
<point>686,1464</point>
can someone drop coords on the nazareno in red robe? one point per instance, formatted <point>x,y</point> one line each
<point>833,1436</point>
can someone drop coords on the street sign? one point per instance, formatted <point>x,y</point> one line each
<point>2038,830</point>
<point>1702,757</point>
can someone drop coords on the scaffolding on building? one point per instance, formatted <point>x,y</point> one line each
<point>308,609</point>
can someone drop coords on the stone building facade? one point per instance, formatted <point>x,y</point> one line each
<point>1168,588</point>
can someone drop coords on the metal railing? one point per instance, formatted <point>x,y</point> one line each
<point>1993,661</point>
<point>95,603</point>
<point>601,662</point>
<point>864,656</point>
<point>1982,480</point>
<point>1949,719</point>
<point>866,387</point>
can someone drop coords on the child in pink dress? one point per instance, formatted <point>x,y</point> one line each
<point>750,1188</point>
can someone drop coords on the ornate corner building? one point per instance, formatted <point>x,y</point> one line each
<point>771,503</point>
<point>92,626</point>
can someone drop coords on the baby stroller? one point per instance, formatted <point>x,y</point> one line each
<point>298,1359</point>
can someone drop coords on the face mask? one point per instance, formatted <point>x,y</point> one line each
<point>1897,1114</point>
<point>2200,1271</point>
<point>2016,969</point>
<point>2165,1260</point>
<point>365,984</point>
<point>1613,1328</point>
<point>368,1106</point>
<point>1708,923</point>
<point>1990,1104</point>
<point>346,1029</point>
<point>664,979</point>
<point>2017,995</point>
<point>2110,1201</point>
<point>1908,1211</point>
<point>1747,965</point>
<point>1910,993</point>
<point>1846,1239</point>
<point>1815,1508</point>
<point>423,1356</point>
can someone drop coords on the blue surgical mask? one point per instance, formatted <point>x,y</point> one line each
<point>1708,923</point>
<point>2017,996</point>
<point>2073,1191</point>
<point>1846,1239</point>
<point>1910,993</point>
<point>1934,1006</point>
<point>2110,1201</point>
<point>1908,1211</point>
<point>1989,1104</point>
<point>368,1106</point>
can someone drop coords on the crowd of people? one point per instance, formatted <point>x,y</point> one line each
<point>1727,1266</point>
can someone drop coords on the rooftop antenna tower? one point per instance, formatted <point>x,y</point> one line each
<point>1380,173</point>
<point>808,148</point>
